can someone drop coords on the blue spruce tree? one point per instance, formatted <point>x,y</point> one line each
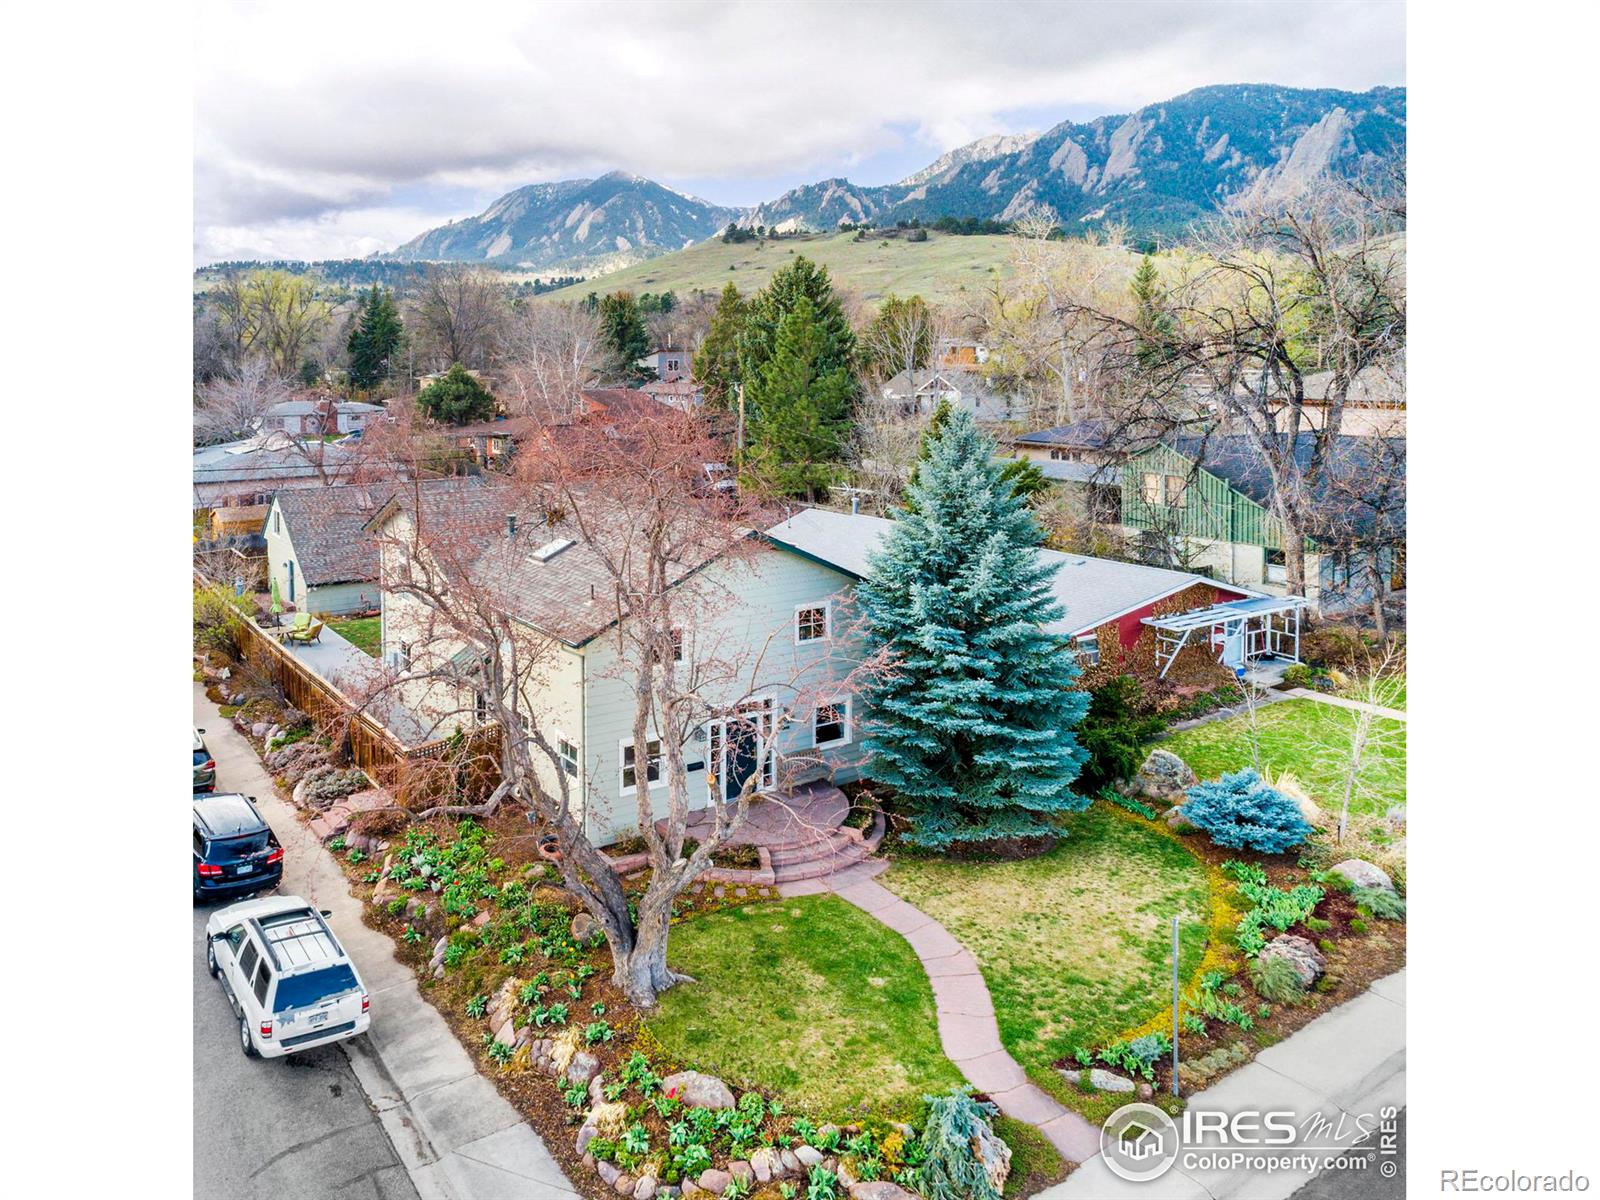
<point>975,728</point>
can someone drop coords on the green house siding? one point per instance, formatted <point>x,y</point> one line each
<point>1211,509</point>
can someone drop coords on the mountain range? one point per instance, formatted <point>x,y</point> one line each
<point>1157,169</point>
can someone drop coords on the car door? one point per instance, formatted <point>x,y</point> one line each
<point>239,975</point>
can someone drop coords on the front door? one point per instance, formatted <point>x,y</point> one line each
<point>738,749</point>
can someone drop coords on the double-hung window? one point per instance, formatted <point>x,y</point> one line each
<point>1088,648</point>
<point>1150,487</point>
<point>630,767</point>
<point>568,754</point>
<point>813,623</point>
<point>830,723</point>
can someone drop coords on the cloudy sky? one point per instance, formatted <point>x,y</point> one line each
<point>329,130</point>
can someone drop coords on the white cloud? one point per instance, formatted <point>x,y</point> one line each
<point>312,117</point>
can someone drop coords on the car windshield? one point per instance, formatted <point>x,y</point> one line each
<point>227,849</point>
<point>297,991</point>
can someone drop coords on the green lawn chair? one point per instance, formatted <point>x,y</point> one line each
<point>305,630</point>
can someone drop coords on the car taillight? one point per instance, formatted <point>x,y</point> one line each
<point>276,856</point>
<point>266,1029</point>
<point>366,1002</point>
<point>211,765</point>
<point>209,870</point>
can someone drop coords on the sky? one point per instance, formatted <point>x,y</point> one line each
<point>332,130</point>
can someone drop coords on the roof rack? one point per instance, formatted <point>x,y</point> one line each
<point>297,940</point>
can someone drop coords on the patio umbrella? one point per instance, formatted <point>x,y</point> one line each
<point>277,601</point>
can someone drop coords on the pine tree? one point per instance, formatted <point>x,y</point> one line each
<point>797,411</point>
<point>716,364</point>
<point>375,340</point>
<point>801,279</point>
<point>974,728</point>
<point>1152,321</point>
<point>456,398</point>
<point>1023,478</point>
<point>623,333</point>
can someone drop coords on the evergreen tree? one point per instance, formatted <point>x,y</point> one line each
<point>456,398</point>
<point>716,364</point>
<point>797,411</point>
<point>800,280</point>
<point>375,340</point>
<point>1023,478</point>
<point>623,333</point>
<point>1152,321</point>
<point>975,727</point>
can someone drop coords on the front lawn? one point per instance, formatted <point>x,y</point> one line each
<point>1074,944</point>
<point>1310,739</point>
<point>364,633</point>
<point>810,998</point>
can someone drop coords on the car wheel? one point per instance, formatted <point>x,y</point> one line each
<point>211,958</point>
<point>245,1043</point>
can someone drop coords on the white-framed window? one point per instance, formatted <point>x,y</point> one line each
<point>568,754</point>
<point>1088,647</point>
<point>813,622</point>
<point>830,723</point>
<point>1277,566</point>
<point>630,772</point>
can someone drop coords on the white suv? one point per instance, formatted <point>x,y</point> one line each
<point>289,981</point>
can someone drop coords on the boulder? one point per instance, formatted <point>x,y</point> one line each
<point>791,1164</point>
<point>1177,822</point>
<point>714,1181</point>
<point>1164,776</point>
<point>994,1155</point>
<point>583,1068</point>
<point>624,1185</point>
<point>586,1134</point>
<point>1307,960</point>
<point>1108,1081</point>
<point>645,1189</point>
<point>1362,874</point>
<point>607,1171</point>
<point>879,1189</point>
<point>583,927</point>
<point>698,1091</point>
<point>809,1156</point>
<point>1146,1091</point>
<point>742,1171</point>
<point>692,1190</point>
<point>259,730</point>
<point>597,1094</point>
<point>767,1164</point>
<point>438,972</point>
<point>507,1033</point>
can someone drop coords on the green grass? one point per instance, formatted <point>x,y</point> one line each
<point>1074,944</point>
<point>810,998</point>
<point>364,633</point>
<point>1313,741</point>
<point>942,269</point>
<point>1034,1161</point>
<point>1391,692</point>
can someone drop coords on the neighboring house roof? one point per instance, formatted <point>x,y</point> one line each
<point>620,401</point>
<point>511,427</point>
<point>1357,484</point>
<point>1063,471</point>
<point>302,408</point>
<point>671,387</point>
<point>268,457</point>
<point>942,379</point>
<point>1092,591</point>
<point>1091,433</point>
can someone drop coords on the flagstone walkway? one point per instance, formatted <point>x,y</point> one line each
<point>967,1027</point>
<point>1394,714</point>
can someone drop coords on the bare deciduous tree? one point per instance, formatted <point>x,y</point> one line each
<point>232,405</point>
<point>550,352</point>
<point>458,309</point>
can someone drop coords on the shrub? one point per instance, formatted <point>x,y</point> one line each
<point>1275,979</point>
<point>216,621</point>
<point>1299,676</point>
<point>951,1168</point>
<point>1115,730</point>
<point>1241,811</point>
<point>1139,1056</point>
<point>1380,902</point>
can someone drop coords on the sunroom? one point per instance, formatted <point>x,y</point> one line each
<point>1256,634</point>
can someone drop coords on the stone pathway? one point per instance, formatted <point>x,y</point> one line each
<point>967,1027</point>
<point>1394,714</point>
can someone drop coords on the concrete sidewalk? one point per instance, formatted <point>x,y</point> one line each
<point>1349,1062</point>
<point>457,1137</point>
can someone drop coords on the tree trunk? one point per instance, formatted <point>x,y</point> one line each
<point>642,973</point>
<point>1358,748</point>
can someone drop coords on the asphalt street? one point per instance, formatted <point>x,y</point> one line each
<point>1365,1183</point>
<point>298,1126</point>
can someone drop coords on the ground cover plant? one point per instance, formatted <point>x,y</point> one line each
<point>364,633</point>
<point>1311,740</point>
<point>811,999</point>
<point>1073,944</point>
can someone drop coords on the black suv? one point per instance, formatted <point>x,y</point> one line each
<point>235,850</point>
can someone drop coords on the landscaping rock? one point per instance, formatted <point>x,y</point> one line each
<point>809,1156</point>
<point>692,1190</point>
<point>995,1156</point>
<point>607,1171</point>
<point>1177,822</point>
<point>525,1038</point>
<point>1106,1081</point>
<point>1164,776</point>
<point>1146,1091</point>
<point>699,1091</point>
<point>259,730</point>
<point>597,1092</point>
<point>583,927</point>
<point>438,972</point>
<point>440,947</point>
<point>879,1189</point>
<point>583,1068</point>
<point>507,1033</point>
<point>714,1181</point>
<point>767,1164</point>
<point>741,1171</point>
<point>586,1134</point>
<point>791,1164</point>
<point>1307,960</point>
<point>645,1189</point>
<point>624,1185</point>
<point>413,907</point>
<point>1362,874</point>
<point>825,1129</point>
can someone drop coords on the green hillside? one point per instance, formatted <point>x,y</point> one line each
<point>943,269</point>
